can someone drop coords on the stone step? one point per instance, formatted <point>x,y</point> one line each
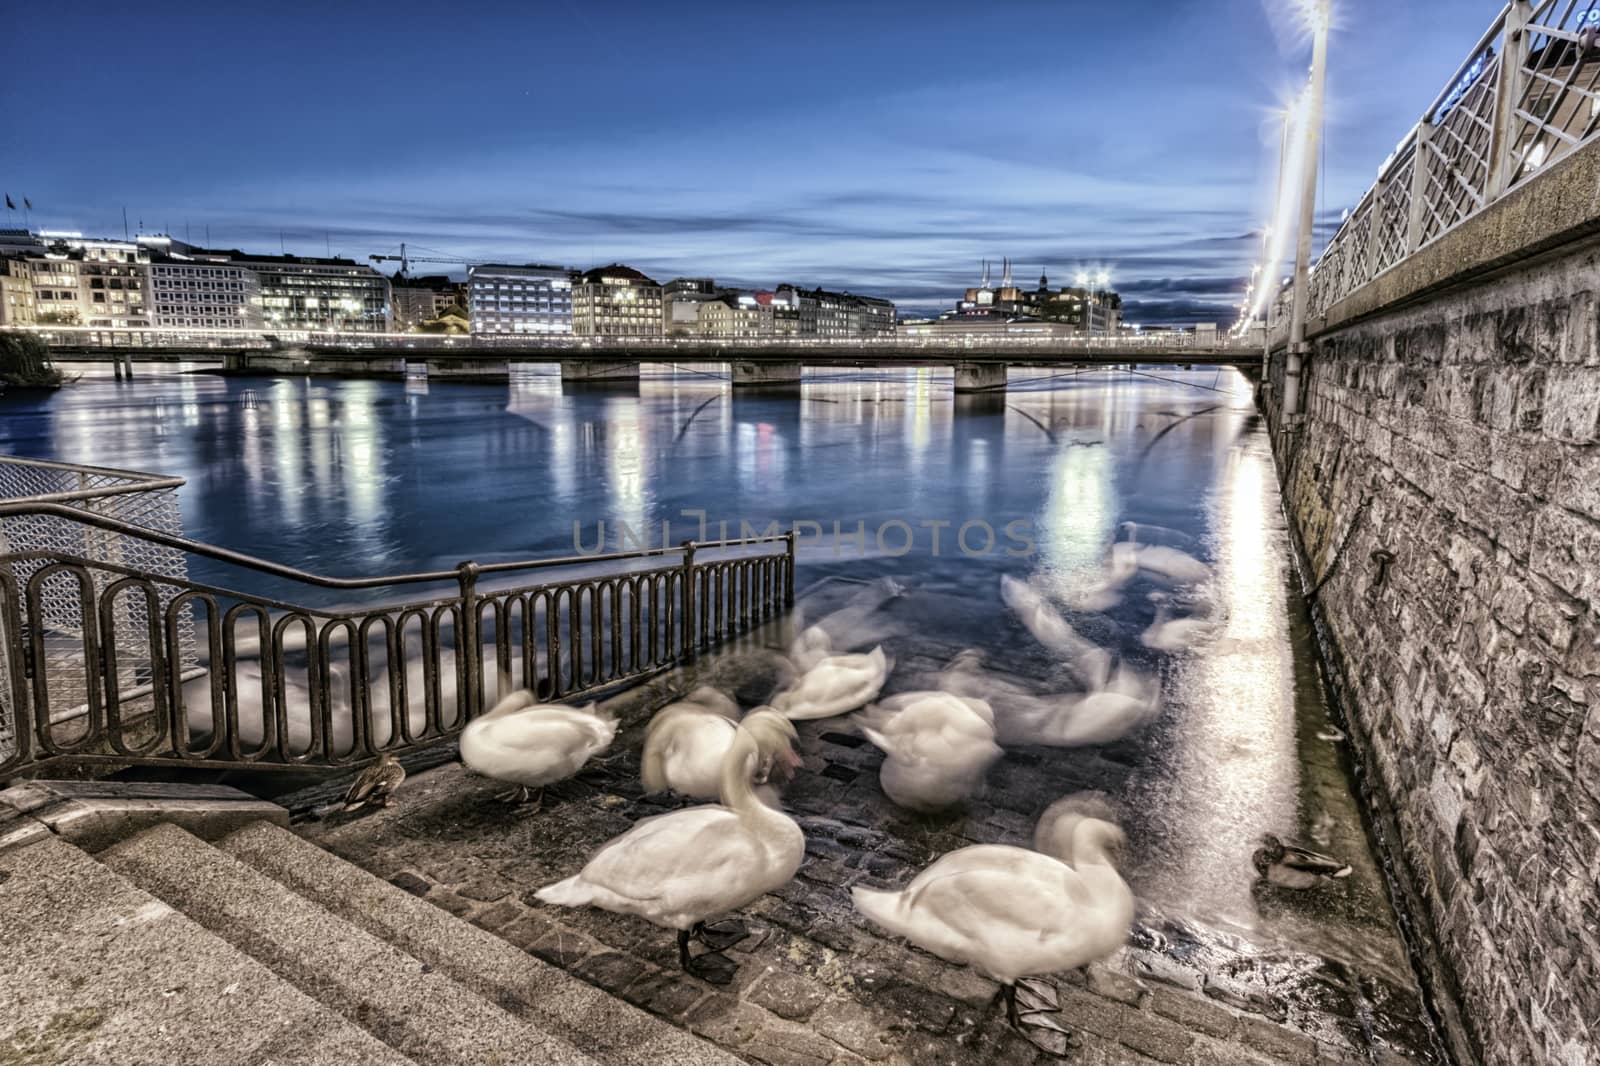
<point>608,1029</point>
<point>403,1002</point>
<point>99,972</point>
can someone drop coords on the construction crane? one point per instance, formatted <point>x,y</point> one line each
<point>405,260</point>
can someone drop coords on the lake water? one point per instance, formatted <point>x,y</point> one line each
<point>349,477</point>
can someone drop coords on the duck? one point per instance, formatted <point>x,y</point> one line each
<point>686,742</point>
<point>374,785</point>
<point>938,746</point>
<point>679,870</point>
<point>532,744</point>
<point>1015,914</point>
<point>1288,866</point>
<point>1171,634</point>
<point>835,684</point>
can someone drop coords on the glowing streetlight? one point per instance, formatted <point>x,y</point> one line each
<point>1319,14</point>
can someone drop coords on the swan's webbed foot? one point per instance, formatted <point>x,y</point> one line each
<point>1035,995</point>
<point>712,967</point>
<point>1035,1023</point>
<point>721,936</point>
<point>522,794</point>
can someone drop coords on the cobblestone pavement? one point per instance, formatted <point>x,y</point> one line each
<point>815,984</point>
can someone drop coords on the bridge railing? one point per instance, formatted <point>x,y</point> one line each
<point>909,340</point>
<point>1527,95</point>
<point>285,685</point>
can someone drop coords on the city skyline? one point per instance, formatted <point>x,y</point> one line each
<point>886,155</point>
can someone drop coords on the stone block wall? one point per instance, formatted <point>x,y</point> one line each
<point>1446,490</point>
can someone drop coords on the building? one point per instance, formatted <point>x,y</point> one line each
<point>519,300</point>
<point>16,291</point>
<point>418,300</point>
<point>85,282</point>
<point>616,301</point>
<point>829,315</point>
<point>1090,306</point>
<point>190,291</point>
<point>737,315</point>
<point>321,295</point>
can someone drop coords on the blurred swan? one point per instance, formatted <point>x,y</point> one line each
<point>1105,590</point>
<point>1041,619</point>
<point>1013,913</point>
<point>687,742</point>
<point>1171,634</point>
<point>836,684</point>
<point>1121,703</point>
<point>532,744</point>
<point>939,746</point>
<point>1171,565</point>
<point>809,649</point>
<point>679,869</point>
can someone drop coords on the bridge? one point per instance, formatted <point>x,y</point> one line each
<point>980,363</point>
<point>1437,429</point>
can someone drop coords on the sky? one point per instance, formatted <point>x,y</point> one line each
<point>882,147</point>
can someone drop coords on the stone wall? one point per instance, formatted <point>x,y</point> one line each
<point>1461,436</point>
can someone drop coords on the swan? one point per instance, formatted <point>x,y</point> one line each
<point>1171,565</point>
<point>1041,618</point>
<point>1123,702</point>
<point>836,684</point>
<point>939,746</point>
<point>374,785</point>
<point>1288,866</point>
<point>1177,634</point>
<point>532,744</point>
<point>810,648</point>
<point>1013,913</point>
<point>686,743</point>
<point>679,869</point>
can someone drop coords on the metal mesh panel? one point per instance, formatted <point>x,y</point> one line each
<point>139,499</point>
<point>1394,217</point>
<point>1456,156</point>
<point>1556,106</point>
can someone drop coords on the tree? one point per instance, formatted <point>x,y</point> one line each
<point>25,360</point>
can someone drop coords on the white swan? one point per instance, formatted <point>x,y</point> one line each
<point>679,869</point>
<point>810,648</point>
<point>1171,634</point>
<point>1171,565</point>
<point>1041,618</point>
<point>1123,702</point>
<point>939,746</point>
<point>686,743</point>
<point>533,744</point>
<point>835,685</point>
<point>1013,913</point>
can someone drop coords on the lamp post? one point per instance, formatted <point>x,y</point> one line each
<point>1319,12</point>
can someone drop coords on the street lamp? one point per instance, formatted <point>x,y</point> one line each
<point>1319,14</point>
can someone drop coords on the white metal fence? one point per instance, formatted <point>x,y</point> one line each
<point>1527,95</point>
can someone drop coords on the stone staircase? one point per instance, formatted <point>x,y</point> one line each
<point>262,948</point>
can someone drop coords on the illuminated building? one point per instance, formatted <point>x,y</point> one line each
<point>1090,306</point>
<point>84,282</point>
<point>187,291</point>
<point>530,299</point>
<point>414,301</point>
<point>744,315</point>
<point>681,300</point>
<point>303,292</point>
<point>616,301</point>
<point>16,292</point>
<point>824,314</point>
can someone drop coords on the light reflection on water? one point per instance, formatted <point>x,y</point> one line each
<point>361,477</point>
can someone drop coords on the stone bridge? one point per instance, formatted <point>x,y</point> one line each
<point>1441,466</point>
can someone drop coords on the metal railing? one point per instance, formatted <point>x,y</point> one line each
<point>149,501</point>
<point>908,339</point>
<point>1526,96</point>
<point>285,685</point>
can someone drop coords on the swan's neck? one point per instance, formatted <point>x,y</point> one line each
<point>737,789</point>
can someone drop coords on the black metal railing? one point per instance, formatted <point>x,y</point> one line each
<point>275,684</point>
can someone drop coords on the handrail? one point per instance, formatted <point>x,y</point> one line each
<point>136,480</point>
<point>266,566</point>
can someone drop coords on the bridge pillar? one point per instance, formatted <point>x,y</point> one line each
<point>599,370</point>
<point>980,377</point>
<point>756,375</point>
<point>236,361</point>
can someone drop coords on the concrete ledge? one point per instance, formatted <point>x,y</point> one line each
<point>1558,208</point>
<point>97,814</point>
<point>980,377</point>
<point>599,370</point>
<point>759,375</point>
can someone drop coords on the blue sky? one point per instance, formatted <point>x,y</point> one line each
<point>884,147</point>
